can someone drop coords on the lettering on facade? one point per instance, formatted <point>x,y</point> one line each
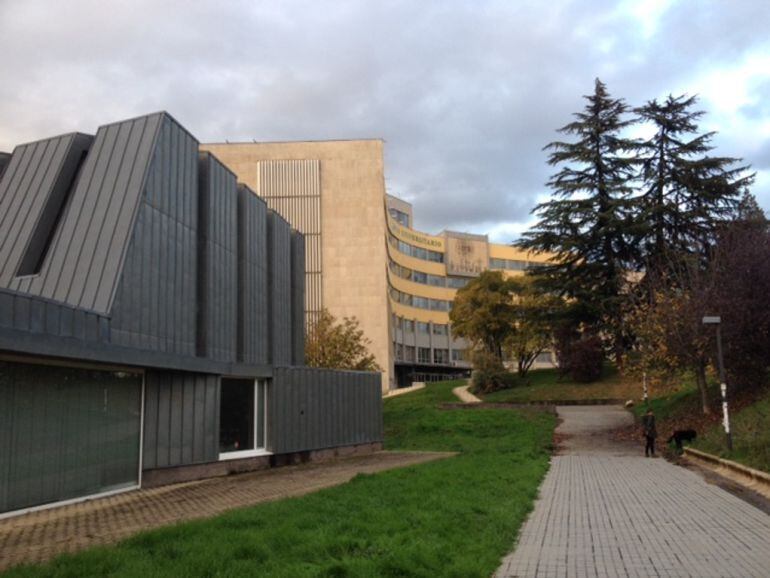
<point>466,256</point>
<point>405,233</point>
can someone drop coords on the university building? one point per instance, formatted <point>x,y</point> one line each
<point>364,258</point>
<point>152,323</point>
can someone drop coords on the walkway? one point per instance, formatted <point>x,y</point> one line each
<point>605,510</point>
<point>464,395</point>
<point>41,535</point>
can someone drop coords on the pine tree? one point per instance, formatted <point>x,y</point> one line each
<point>586,222</point>
<point>686,194</point>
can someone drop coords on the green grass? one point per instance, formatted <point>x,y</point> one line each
<point>454,517</point>
<point>545,385</point>
<point>751,437</point>
<point>683,399</point>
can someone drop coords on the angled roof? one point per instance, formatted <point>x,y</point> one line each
<point>94,187</point>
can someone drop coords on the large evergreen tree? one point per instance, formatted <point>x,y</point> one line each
<point>586,222</point>
<point>686,194</point>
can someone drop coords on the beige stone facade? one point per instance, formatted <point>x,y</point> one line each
<point>334,192</point>
<point>363,257</point>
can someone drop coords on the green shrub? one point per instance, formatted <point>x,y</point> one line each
<point>489,374</point>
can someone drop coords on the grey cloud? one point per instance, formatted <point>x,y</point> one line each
<point>465,94</point>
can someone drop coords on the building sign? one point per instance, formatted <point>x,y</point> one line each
<point>466,255</point>
<point>410,236</point>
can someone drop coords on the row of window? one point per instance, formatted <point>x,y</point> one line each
<point>412,354</point>
<point>420,302</point>
<point>409,326</point>
<point>416,252</point>
<point>509,264</point>
<point>427,278</point>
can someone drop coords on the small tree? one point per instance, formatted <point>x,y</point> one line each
<point>532,332</point>
<point>338,345</point>
<point>483,312</point>
<point>668,324</point>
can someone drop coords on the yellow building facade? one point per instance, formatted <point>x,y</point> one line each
<point>364,259</point>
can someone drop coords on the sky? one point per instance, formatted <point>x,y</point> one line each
<point>464,94</point>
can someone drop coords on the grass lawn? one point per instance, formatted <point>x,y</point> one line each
<point>749,419</point>
<point>751,436</point>
<point>454,517</point>
<point>545,385</point>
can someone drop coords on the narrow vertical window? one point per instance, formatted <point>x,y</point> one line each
<point>55,206</point>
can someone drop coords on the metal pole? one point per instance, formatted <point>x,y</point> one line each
<point>723,388</point>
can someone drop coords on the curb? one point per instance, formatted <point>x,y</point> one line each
<point>756,475</point>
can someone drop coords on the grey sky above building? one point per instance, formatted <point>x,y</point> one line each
<point>465,94</point>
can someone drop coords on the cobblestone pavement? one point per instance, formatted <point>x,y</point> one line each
<point>605,510</point>
<point>41,535</point>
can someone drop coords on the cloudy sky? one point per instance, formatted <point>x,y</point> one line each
<point>465,94</point>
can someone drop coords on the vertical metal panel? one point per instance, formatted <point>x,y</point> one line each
<point>155,304</point>
<point>253,278</point>
<point>181,419</point>
<point>217,260</point>
<point>279,292</point>
<point>89,246</point>
<point>297,298</point>
<point>30,188</point>
<point>314,408</point>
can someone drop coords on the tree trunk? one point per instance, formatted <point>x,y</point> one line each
<point>700,376</point>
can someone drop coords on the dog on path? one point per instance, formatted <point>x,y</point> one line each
<point>682,435</point>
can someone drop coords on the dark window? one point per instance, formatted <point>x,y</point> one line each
<point>456,282</point>
<point>436,281</point>
<point>441,356</point>
<point>236,425</point>
<point>439,329</point>
<point>423,354</point>
<point>422,327</point>
<point>56,205</point>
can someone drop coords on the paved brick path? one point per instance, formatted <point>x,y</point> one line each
<point>41,535</point>
<point>607,511</point>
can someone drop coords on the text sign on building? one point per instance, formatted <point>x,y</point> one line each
<point>466,255</point>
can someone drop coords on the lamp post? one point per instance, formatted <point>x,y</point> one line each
<point>722,382</point>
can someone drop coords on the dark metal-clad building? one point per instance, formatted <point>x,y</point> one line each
<point>152,324</point>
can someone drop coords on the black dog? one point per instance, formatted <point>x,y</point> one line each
<point>682,435</point>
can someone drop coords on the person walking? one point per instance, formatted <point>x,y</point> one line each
<point>650,433</point>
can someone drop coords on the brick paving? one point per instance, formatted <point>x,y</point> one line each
<point>39,536</point>
<point>605,510</point>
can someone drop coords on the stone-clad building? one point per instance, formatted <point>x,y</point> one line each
<point>364,258</point>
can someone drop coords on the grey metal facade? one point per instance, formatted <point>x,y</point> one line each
<point>129,253</point>
<point>315,409</point>
<point>297,298</point>
<point>254,294</point>
<point>279,288</point>
<point>181,419</point>
<point>217,260</point>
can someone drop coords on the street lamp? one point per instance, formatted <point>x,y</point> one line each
<point>722,382</point>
